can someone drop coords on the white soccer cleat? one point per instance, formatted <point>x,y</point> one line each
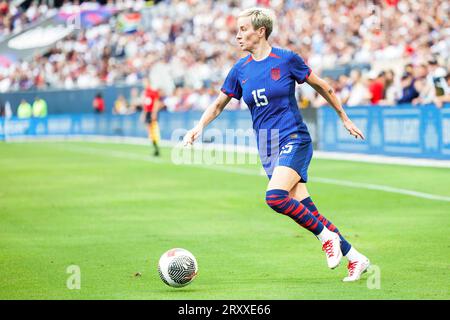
<point>356,269</point>
<point>332,248</point>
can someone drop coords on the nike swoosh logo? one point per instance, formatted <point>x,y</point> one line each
<point>244,81</point>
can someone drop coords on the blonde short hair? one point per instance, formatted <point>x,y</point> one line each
<point>260,17</point>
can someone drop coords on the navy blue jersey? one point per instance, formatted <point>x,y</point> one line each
<point>268,89</point>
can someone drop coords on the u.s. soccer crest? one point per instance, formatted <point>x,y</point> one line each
<point>275,73</point>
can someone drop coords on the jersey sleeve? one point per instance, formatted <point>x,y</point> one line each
<point>231,86</point>
<point>299,69</point>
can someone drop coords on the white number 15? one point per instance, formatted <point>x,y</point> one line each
<point>260,98</point>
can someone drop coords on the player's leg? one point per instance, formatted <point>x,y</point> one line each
<point>283,179</point>
<point>148,122</point>
<point>154,135</point>
<point>357,262</point>
<point>152,132</point>
<point>300,192</point>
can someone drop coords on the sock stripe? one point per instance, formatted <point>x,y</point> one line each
<point>308,223</point>
<point>300,214</point>
<point>291,207</point>
<point>280,201</point>
<point>315,226</point>
<point>299,210</point>
<point>275,202</point>
<point>345,245</point>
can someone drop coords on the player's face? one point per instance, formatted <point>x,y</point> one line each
<point>247,37</point>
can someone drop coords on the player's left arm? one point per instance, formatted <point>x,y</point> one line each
<point>327,92</point>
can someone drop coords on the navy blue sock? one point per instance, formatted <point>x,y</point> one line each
<point>345,245</point>
<point>280,201</point>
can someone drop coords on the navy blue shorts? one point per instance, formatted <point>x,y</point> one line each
<point>293,154</point>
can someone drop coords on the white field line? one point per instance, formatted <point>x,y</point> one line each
<point>384,188</point>
<point>230,169</point>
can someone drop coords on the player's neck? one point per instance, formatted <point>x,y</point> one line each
<point>262,52</point>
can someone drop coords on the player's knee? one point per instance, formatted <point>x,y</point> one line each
<point>277,199</point>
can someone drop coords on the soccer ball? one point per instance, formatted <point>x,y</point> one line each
<point>177,267</point>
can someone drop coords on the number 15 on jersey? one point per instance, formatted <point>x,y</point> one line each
<point>260,98</point>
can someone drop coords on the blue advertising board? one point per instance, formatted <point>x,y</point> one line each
<point>173,126</point>
<point>408,131</point>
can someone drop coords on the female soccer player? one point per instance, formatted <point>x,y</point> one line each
<point>266,81</point>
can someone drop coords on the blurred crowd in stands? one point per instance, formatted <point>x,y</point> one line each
<point>14,19</point>
<point>391,51</point>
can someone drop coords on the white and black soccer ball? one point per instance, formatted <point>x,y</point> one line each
<point>177,267</point>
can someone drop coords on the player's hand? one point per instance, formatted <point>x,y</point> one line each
<point>352,129</point>
<point>192,135</point>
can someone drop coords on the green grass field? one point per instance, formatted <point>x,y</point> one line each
<point>112,210</point>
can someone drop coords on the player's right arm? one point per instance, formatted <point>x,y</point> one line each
<point>208,116</point>
<point>325,90</point>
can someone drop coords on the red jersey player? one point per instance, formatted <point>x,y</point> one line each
<point>151,106</point>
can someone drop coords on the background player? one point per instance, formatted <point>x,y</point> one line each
<point>151,106</point>
<point>265,79</point>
